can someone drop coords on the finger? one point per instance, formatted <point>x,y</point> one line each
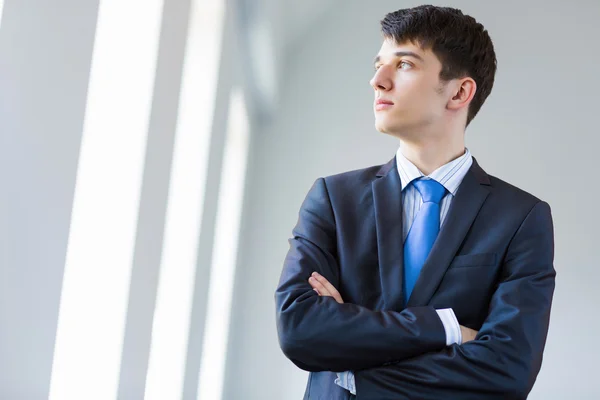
<point>322,290</point>
<point>312,284</point>
<point>330,288</point>
<point>333,292</point>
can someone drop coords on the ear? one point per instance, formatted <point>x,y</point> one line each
<point>463,93</point>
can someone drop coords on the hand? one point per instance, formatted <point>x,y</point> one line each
<point>323,287</point>
<point>468,334</point>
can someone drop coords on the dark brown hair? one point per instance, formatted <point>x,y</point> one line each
<point>462,45</point>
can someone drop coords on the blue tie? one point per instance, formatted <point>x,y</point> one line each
<point>423,231</point>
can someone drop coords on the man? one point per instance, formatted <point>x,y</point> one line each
<point>425,277</point>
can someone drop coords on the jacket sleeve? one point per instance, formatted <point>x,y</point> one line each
<point>317,333</point>
<point>504,360</point>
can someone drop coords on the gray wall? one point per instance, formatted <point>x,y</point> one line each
<point>538,119</point>
<point>537,131</point>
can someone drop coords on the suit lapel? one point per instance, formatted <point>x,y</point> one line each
<point>465,206</point>
<point>387,201</point>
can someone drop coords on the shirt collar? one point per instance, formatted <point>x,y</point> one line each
<point>450,175</point>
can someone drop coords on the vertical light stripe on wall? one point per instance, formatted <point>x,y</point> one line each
<point>97,272</point>
<point>171,323</point>
<point>225,250</point>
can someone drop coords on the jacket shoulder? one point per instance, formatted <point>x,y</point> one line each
<point>354,178</point>
<point>352,187</point>
<point>512,192</point>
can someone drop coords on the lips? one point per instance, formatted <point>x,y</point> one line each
<point>382,104</point>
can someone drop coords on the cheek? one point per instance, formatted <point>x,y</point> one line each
<point>419,97</point>
<point>409,90</point>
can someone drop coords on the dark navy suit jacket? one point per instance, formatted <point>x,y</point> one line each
<point>492,263</point>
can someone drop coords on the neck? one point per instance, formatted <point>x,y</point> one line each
<point>430,155</point>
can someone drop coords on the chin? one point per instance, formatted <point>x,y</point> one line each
<point>384,127</point>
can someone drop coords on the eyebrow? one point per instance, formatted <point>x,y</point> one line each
<point>401,54</point>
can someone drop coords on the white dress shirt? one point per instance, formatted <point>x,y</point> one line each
<point>450,175</point>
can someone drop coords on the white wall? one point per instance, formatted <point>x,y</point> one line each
<point>537,130</point>
<point>539,116</point>
<point>45,56</point>
<point>45,53</point>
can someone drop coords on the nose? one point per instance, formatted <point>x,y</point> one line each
<point>381,80</point>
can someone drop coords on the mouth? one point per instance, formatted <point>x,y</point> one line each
<point>383,105</point>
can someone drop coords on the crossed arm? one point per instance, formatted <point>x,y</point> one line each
<point>323,288</point>
<point>394,353</point>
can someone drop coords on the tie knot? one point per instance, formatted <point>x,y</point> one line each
<point>430,189</point>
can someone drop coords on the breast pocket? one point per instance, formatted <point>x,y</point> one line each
<point>474,260</point>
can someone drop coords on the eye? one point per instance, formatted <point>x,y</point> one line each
<point>402,64</point>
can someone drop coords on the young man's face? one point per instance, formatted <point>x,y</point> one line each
<point>408,77</point>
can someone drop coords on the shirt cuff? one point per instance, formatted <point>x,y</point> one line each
<point>346,380</point>
<point>451,326</point>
